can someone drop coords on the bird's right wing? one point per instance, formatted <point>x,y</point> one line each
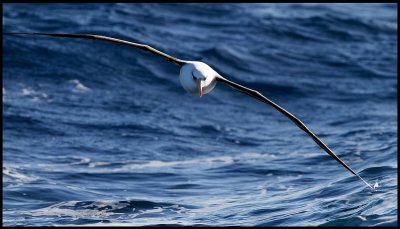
<point>99,37</point>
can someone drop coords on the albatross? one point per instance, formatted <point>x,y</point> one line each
<point>199,78</point>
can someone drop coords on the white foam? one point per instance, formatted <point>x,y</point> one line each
<point>79,87</point>
<point>154,210</point>
<point>200,162</point>
<point>75,209</point>
<point>114,205</point>
<point>26,91</point>
<point>94,164</point>
<point>362,217</point>
<point>128,165</point>
<point>138,222</point>
<point>54,210</point>
<point>156,163</point>
<point>263,191</point>
<point>14,173</point>
<point>83,160</point>
<point>36,96</point>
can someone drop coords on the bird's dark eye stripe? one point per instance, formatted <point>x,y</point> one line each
<point>194,77</point>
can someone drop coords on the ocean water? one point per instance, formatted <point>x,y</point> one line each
<point>98,133</point>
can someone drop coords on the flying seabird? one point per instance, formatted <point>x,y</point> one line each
<point>198,78</point>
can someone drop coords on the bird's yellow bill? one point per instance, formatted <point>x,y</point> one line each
<point>200,88</point>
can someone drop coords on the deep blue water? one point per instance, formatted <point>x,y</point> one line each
<point>98,133</point>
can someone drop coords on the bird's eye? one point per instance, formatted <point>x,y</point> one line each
<point>194,77</point>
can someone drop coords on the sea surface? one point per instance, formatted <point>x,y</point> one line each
<point>99,133</point>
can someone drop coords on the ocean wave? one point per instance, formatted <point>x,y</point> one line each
<point>110,210</point>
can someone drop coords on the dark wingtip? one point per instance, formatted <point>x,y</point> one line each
<point>16,33</point>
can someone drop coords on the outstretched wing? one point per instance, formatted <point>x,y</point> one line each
<point>259,96</point>
<point>98,37</point>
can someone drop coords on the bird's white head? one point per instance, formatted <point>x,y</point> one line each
<point>197,77</point>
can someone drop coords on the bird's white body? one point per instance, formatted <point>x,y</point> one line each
<point>194,72</point>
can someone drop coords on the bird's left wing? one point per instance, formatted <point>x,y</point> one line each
<point>259,96</point>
